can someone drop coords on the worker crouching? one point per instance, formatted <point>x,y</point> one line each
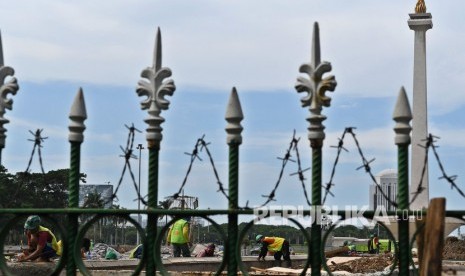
<point>278,246</point>
<point>42,244</point>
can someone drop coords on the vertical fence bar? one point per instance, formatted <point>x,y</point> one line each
<point>403,195</point>
<point>233,129</point>
<point>233,204</point>
<point>76,129</point>
<point>316,204</point>
<point>402,116</point>
<point>155,90</point>
<point>316,86</point>
<point>152,204</point>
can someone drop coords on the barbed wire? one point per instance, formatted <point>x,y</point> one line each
<point>128,155</point>
<point>38,139</point>
<point>430,140</point>
<point>300,172</point>
<point>365,165</point>
<point>339,147</point>
<point>285,159</point>
<point>198,147</point>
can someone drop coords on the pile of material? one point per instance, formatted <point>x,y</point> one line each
<point>101,251</point>
<point>364,265</point>
<point>454,249</point>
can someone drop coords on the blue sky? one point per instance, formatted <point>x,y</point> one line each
<point>56,47</point>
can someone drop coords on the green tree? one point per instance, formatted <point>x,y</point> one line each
<point>7,188</point>
<point>94,200</point>
<point>34,190</point>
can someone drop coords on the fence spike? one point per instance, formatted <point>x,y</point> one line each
<point>77,115</point>
<point>234,117</point>
<point>402,115</point>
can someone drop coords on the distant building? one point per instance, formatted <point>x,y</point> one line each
<point>105,192</point>
<point>387,179</point>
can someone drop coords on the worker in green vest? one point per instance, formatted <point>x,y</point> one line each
<point>375,243</point>
<point>178,236</point>
<point>370,244</point>
<point>277,245</point>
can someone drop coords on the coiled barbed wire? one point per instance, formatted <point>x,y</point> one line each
<point>38,139</point>
<point>365,165</point>
<point>430,140</point>
<point>339,147</point>
<point>198,147</point>
<point>128,154</point>
<point>287,157</point>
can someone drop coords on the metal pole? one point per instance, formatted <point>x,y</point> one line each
<point>152,204</point>
<point>316,204</point>
<point>140,148</point>
<point>233,129</point>
<point>154,93</point>
<point>76,129</point>
<point>402,116</point>
<point>316,86</point>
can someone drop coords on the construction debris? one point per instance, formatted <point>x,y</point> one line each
<point>364,265</point>
<point>454,249</point>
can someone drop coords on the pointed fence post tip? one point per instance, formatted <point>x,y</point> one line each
<point>234,117</point>
<point>77,115</point>
<point>402,116</point>
<point>157,51</point>
<point>316,50</point>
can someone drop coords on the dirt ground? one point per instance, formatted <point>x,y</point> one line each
<point>454,249</point>
<point>364,265</point>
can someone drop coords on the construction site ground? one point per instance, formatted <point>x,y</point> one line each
<point>363,264</point>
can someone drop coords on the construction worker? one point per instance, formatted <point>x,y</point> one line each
<point>279,246</point>
<point>209,251</point>
<point>178,236</point>
<point>370,244</point>
<point>375,244</point>
<point>41,241</point>
<point>350,246</point>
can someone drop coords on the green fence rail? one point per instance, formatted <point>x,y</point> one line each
<point>71,250</point>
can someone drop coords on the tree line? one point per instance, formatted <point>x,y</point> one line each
<point>49,190</point>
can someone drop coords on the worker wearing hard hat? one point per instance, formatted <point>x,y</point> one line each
<point>278,246</point>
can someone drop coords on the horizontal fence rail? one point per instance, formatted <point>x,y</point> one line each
<point>16,216</point>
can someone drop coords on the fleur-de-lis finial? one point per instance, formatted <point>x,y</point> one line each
<point>155,89</point>
<point>9,87</point>
<point>316,86</point>
<point>420,7</point>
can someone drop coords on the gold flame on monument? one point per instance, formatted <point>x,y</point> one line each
<point>420,7</point>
